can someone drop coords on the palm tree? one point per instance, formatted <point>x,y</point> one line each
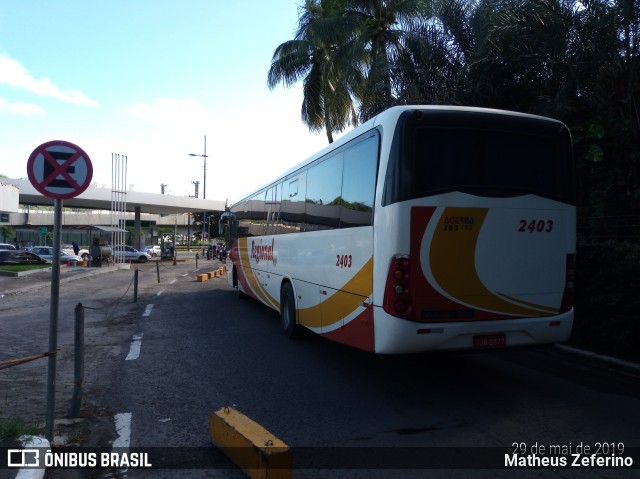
<point>381,37</point>
<point>433,68</point>
<point>309,57</point>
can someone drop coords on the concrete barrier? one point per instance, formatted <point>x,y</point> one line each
<point>251,447</point>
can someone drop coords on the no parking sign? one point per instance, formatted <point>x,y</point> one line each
<point>59,169</point>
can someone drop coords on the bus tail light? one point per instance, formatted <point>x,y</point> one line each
<point>397,293</point>
<point>569,285</point>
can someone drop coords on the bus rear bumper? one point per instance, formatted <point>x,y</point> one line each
<point>398,336</point>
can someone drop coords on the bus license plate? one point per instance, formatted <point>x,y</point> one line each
<point>486,341</point>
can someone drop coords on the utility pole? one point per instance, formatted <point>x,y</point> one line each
<point>204,191</point>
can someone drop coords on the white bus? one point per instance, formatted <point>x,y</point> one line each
<point>426,228</point>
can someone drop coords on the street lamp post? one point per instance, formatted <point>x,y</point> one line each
<point>204,190</point>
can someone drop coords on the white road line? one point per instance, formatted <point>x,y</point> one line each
<point>159,292</point>
<point>147,310</point>
<point>134,349</point>
<point>123,429</point>
<point>173,281</point>
<point>183,275</point>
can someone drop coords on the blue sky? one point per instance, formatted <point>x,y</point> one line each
<point>149,79</point>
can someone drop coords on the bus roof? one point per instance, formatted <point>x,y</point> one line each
<point>391,114</point>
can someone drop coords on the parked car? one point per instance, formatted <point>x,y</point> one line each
<point>7,246</point>
<point>46,252</point>
<point>13,257</point>
<point>83,253</point>
<point>152,251</point>
<point>129,253</point>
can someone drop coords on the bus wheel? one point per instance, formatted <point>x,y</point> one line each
<point>288,311</point>
<point>236,285</point>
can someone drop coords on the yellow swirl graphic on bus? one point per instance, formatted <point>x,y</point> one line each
<point>342,302</point>
<point>452,260</point>
<point>254,283</point>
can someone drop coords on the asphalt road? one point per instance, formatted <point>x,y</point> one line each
<point>201,348</point>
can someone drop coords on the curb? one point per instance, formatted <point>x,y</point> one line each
<point>19,274</point>
<point>600,357</point>
<point>32,442</point>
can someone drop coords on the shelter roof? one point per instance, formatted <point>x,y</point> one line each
<point>102,199</point>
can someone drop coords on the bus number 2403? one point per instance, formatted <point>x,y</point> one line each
<point>344,261</point>
<point>536,226</point>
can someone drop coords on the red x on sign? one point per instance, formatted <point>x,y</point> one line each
<point>59,169</point>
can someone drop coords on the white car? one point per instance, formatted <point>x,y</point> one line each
<point>46,252</point>
<point>152,250</point>
<point>83,253</point>
<point>129,253</point>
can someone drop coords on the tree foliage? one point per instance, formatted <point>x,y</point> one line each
<point>577,61</point>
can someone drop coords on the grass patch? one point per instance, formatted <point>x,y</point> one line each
<point>14,427</point>
<point>23,267</point>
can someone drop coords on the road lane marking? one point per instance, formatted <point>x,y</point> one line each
<point>183,275</point>
<point>123,430</point>
<point>147,310</point>
<point>134,349</point>
<point>173,281</point>
<point>159,292</point>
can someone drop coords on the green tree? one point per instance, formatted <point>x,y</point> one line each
<point>434,67</point>
<point>8,233</point>
<point>572,60</point>
<point>607,127</point>
<point>309,57</point>
<point>383,41</point>
<point>575,60</point>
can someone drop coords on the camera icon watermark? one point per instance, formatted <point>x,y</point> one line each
<point>23,458</point>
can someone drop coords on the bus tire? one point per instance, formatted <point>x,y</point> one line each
<point>236,285</point>
<point>288,311</point>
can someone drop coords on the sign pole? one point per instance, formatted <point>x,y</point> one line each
<point>59,170</point>
<point>53,319</point>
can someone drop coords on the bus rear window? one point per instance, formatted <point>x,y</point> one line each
<point>431,160</point>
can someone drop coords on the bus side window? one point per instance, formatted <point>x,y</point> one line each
<point>292,208</point>
<point>358,183</point>
<point>275,220</point>
<point>257,207</point>
<point>323,201</point>
<point>255,215</point>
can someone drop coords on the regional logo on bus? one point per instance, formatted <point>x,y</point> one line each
<point>263,252</point>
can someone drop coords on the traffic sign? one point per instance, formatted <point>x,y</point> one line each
<point>59,169</point>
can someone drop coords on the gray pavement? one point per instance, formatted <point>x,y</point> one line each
<point>110,313</point>
<point>33,280</point>
<point>110,321</point>
<point>25,305</point>
<point>42,278</point>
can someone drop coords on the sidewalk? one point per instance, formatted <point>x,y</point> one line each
<point>110,314</point>
<point>42,278</point>
<point>32,280</point>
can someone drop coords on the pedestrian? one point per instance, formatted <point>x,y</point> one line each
<point>76,248</point>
